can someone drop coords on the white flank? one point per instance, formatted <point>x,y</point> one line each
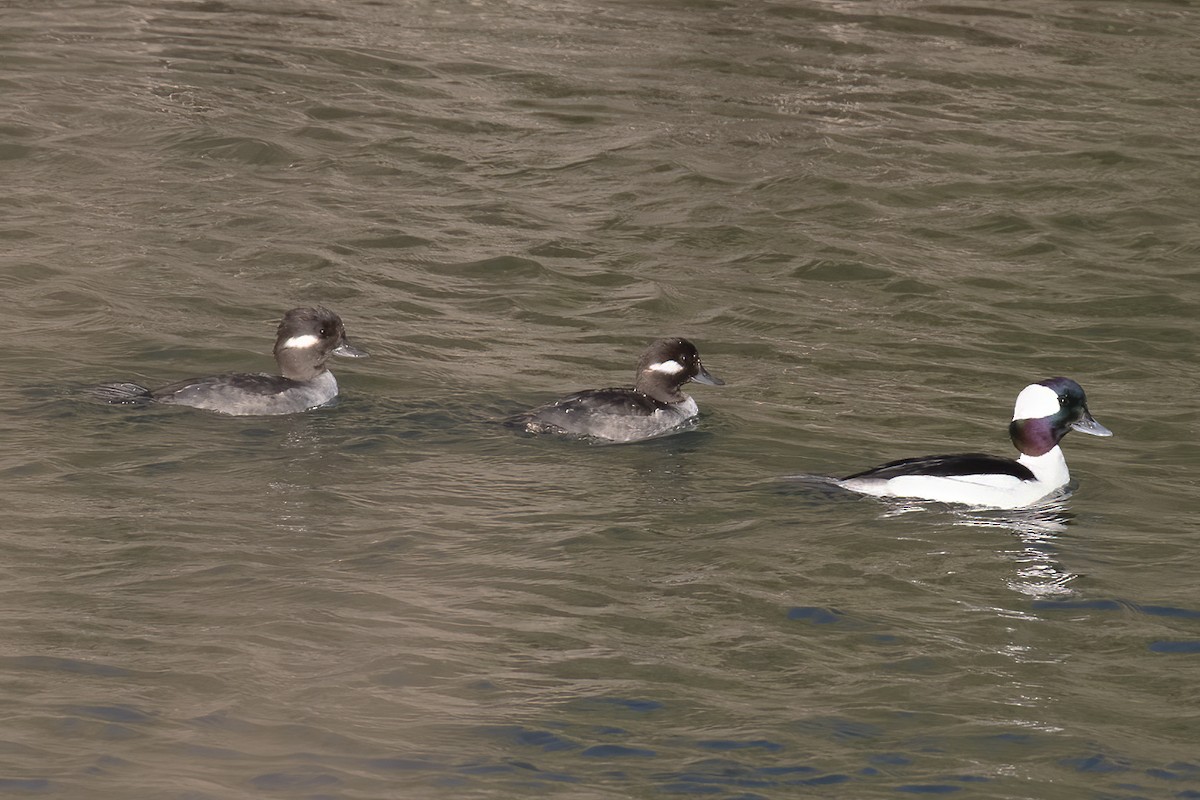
<point>1036,401</point>
<point>669,367</point>
<point>300,342</point>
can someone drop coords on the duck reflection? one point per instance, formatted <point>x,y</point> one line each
<point>1039,573</point>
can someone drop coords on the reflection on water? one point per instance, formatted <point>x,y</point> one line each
<point>1039,574</point>
<point>1037,523</point>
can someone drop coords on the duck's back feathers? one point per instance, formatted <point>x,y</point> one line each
<point>249,383</point>
<point>245,394</point>
<point>614,414</point>
<point>948,466</point>
<point>623,401</point>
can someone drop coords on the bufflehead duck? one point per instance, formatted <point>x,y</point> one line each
<point>304,342</point>
<point>1044,413</point>
<point>654,406</point>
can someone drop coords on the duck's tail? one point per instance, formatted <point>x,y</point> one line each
<point>122,393</point>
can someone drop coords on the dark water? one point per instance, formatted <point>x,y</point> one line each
<point>878,220</point>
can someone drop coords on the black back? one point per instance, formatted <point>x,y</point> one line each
<point>951,466</point>
<point>628,402</point>
<point>573,410</point>
<point>231,384</point>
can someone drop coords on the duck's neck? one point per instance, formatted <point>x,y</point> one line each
<point>297,366</point>
<point>661,389</point>
<point>1049,468</point>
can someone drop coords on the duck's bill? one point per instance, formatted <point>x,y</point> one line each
<point>1087,424</point>
<point>704,376</point>
<point>348,350</point>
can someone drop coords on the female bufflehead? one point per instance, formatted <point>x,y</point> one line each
<point>654,406</point>
<point>1044,413</point>
<point>305,340</point>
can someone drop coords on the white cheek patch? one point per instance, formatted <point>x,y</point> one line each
<point>1036,401</point>
<point>301,342</point>
<point>666,367</point>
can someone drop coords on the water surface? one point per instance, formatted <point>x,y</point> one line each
<point>877,220</point>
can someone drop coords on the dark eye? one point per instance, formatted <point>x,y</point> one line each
<point>1062,399</point>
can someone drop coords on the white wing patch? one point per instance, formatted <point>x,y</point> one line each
<point>1036,401</point>
<point>668,367</point>
<point>301,342</point>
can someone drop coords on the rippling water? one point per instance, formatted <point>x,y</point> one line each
<point>878,221</point>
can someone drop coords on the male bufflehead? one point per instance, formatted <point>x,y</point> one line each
<point>1044,413</point>
<point>654,406</point>
<point>305,340</point>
